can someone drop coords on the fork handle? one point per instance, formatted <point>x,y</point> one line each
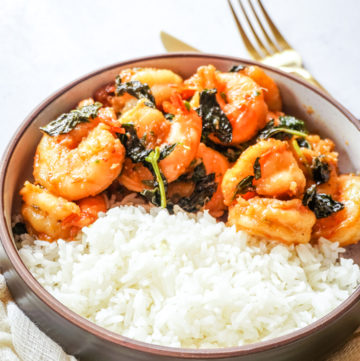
<point>304,74</point>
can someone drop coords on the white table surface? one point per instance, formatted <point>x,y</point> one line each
<point>46,44</point>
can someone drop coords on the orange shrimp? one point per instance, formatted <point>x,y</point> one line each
<point>90,207</point>
<point>280,173</point>
<point>271,90</point>
<point>241,99</point>
<point>184,130</point>
<point>214,162</point>
<point>83,162</point>
<point>343,226</point>
<point>50,217</point>
<point>284,221</point>
<point>163,84</point>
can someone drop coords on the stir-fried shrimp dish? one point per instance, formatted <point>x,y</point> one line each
<point>216,142</point>
<point>190,213</point>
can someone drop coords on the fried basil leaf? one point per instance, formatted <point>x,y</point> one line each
<point>205,187</point>
<point>169,116</point>
<point>214,119</point>
<point>236,68</point>
<point>288,126</point>
<point>320,171</point>
<point>166,149</point>
<point>19,228</point>
<point>245,185</point>
<point>320,203</point>
<point>257,168</point>
<point>303,143</point>
<point>152,196</point>
<point>135,148</point>
<point>66,122</point>
<point>287,121</point>
<point>136,89</point>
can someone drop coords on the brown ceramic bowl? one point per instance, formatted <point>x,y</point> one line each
<point>91,342</point>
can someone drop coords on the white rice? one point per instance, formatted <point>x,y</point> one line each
<point>184,280</point>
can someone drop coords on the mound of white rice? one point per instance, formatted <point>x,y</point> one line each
<point>181,280</point>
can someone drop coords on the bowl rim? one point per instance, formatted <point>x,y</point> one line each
<point>109,336</point>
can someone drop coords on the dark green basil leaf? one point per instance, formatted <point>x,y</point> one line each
<point>166,149</point>
<point>287,128</point>
<point>245,185</point>
<point>19,228</point>
<point>136,89</point>
<point>287,121</point>
<point>169,116</point>
<point>257,168</point>
<point>66,122</point>
<point>320,203</point>
<point>205,187</point>
<point>303,143</point>
<point>214,119</point>
<point>135,147</point>
<point>236,68</point>
<point>152,196</point>
<point>320,171</point>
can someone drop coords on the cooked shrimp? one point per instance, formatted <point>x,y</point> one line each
<point>271,91</point>
<point>135,176</point>
<point>241,99</point>
<point>90,207</point>
<point>79,164</point>
<point>343,226</point>
<point>284,221</point>
<point>163,84</point>
<point>324,150</point>
<point>51,217</point>
<point>214,162</point>
<point>280,173</point>
<point>151,126</point>
<point>44,212</point>
<point>184,130</point>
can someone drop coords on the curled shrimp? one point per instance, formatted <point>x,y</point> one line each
<point>286,221</point>
<point>323,149</point>
<point>90,207</point>
<point>240,97</point>
<point>280,173</point>
<point>184,130</point>
<point>81,163</point>
<point>163,84</point>
<point>271,90</point>
<point>343,226</point>
<point>214,162</point>
<point>51,217</point>
<point>135,176</point>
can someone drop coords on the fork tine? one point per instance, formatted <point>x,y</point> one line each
<point>280,39</point>
<point>250,48</point>
<point>268,39</point>
<point>258,41</point>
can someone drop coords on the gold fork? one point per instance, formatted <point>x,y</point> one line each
<point>279,53</point>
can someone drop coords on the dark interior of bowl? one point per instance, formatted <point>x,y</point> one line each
<point>326,117</point>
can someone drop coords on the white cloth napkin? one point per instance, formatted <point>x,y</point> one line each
<point>20,339</point>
